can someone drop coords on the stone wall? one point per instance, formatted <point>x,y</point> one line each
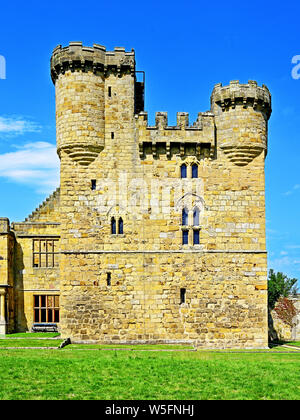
<point>136,177</point>
<point>124,273</point>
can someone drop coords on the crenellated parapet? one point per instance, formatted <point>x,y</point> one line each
<point>182,139</point>
<point>242,94</point>
<point>83,78</point>
<point>241,115</point>
<point>77,57</point>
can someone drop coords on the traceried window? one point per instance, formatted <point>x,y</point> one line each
<point>196,213</point>
<point>46,308</point>
<point>185,216</point>
<point>190,232</point>
<point>196,232</point>
<point>45,253</point>
<point>117,226</point>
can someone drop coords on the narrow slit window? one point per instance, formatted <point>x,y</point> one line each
<point>183,171</point>
<point>112,135</point>
<point>182,295</point>
<point>93,184</point>
<point>108,279</point>
<point>113,226</point>
<point>109,91</point>
<point>121,230</point>
<point>194,171</point>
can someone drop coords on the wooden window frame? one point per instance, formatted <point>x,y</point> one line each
<point>41,312</point>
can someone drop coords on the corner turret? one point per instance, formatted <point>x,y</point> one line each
<point>241,114</point>
<point>79,74</point>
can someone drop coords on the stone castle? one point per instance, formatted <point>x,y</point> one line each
<point>157,233</point>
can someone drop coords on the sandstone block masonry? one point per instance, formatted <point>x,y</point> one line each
<point>158,232</point>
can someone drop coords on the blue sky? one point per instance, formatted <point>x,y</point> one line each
<point>185,48</point>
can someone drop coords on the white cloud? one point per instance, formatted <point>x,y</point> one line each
<point>34,164</point>
<point>15,126</point>
<point>283,253</point>
<point>294,188</point>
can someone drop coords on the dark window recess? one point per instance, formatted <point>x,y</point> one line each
<point>185,237</point>
<point>46,308</point>
<point>93,184</point>
<point>183,171</point>
<point>121,226</point>
<point>196,237</point>
<point>112,135</point>
<point>108,279</point>
<point>182,296</point>
<point>113,226</point>
<point>195,171</point>
<point>109,91</point>
<point>139,92</point>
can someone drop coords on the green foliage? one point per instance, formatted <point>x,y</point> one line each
<point>279,285</point>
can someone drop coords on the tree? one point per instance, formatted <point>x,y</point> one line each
<point>279,285</point>
<point>286,311</point>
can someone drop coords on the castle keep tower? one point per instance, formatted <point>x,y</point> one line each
<point>162,228</point>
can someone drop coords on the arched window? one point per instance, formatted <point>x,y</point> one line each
<point>183,171</point>
<point>194,170</point>
<point>196,213</point>
<point>113,226</point>
<point>185,216</point>
<point>120,226</point>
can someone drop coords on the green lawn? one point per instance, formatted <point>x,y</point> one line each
<point>86,374</point>
<point>33,335</point>
<point>130,347</point>
<point>29,343</point>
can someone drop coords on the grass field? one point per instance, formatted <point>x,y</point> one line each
<point>85,373</point>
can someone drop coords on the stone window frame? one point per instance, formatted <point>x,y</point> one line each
<point>117,225</point>
<point>188,224</point>
<point>117,213</point>
<point>44,254</point>
<point>189,164</point>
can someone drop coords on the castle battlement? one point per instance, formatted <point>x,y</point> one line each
<point>157,232</point>
<point>96,59</point>
<point>249,94</point>
<point>174,139</point>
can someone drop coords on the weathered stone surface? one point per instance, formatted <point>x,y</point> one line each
<point>127,285</point>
